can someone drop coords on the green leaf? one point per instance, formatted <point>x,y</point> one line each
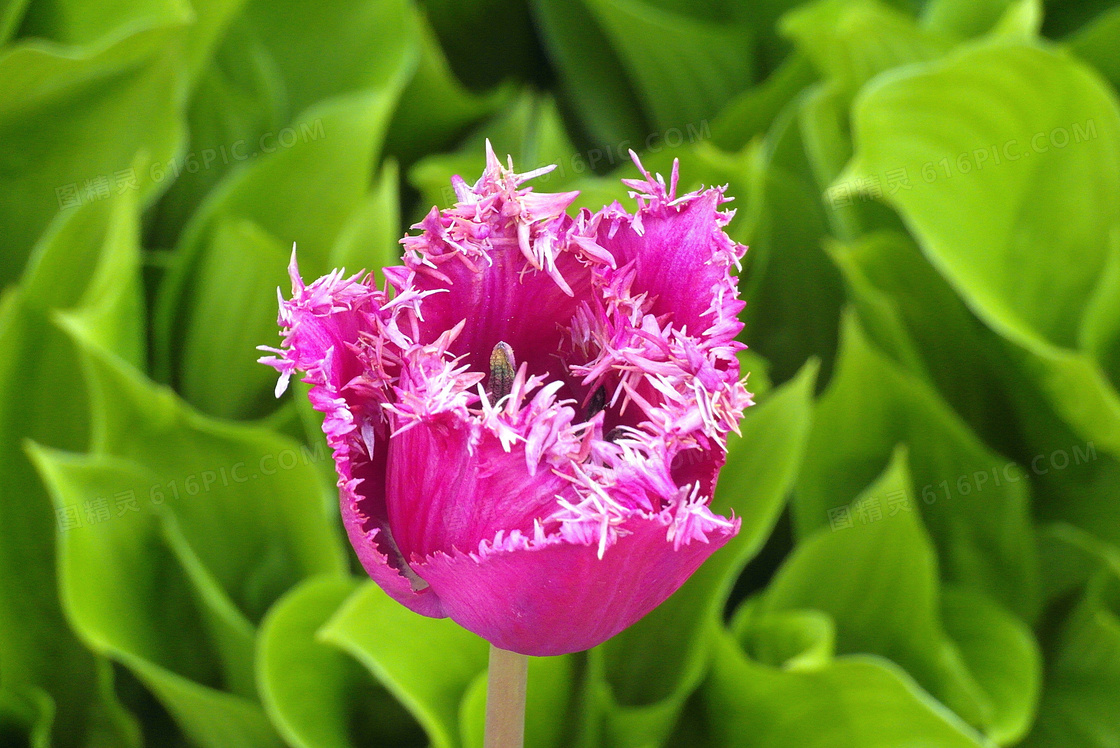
<point>1071,557</point>
<point>72,124</point>
<point>1005,185</point>
<point>1000,233</point>
<point>435,108</point>
<point>335,48</point>
<point>461,25</point>
<point>684,68</point>
<point>1095,41</point>
<point>793,292</point>
<point>370,239</point>
<point>973,501</point>
<point>1078,707</point>
<point>641,695</point>
<point>852,702</point>
<point>591,72</point>
<point>314,694</point>
<point>964,19</point>
<point>802,640</point>
<point>426,663</point>
<point>25,719</point>
<point>1001,654</point>
<point>854,574</point>
<point>69,22</point>
<point>11,15</point>
<point>333,148</point>
<point>912,315</point>
<point>248,502</point>
<point>243,266</point>
<point>237,101</point>
<point>128,598</point>
<point>89,260</point>
<point>752,112</point>
<point>852,42</point>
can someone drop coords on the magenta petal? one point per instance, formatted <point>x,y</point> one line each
<point>441,489</point>
<point>380,570</point>
<point>561,597</point>
<point>681,254</point>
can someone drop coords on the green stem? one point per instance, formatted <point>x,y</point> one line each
<point>505,699</point>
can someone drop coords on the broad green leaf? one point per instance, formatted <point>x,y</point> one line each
<point>301,194</point>
<point>651,668</point>
<point>591,72</point>
<point>129,600</point>
<point>237,106</point>
<point>1095,43</point>
<point>72,124</point>
<point>854,574</point>
<point>1006,183</point>
<point>751,112</point>
<point>370,239</point>
<point>547,698</point>
<point>88,260</point>
<point>912,315</point>
<point>71,22</point>
<point>684,68</point>
<point>243,266</point>
<point>315,695</point>
<point>426,663</point>
<point>247,502</point>
<point>852,702</point>
<point>435,108</point>
<point>973,501</point>
<point>1001,232</point>
<point>1078,708</point>
<point>1001,654</point>
<point>335,47</point>
<point>851,42</point>
<point>793,291</point>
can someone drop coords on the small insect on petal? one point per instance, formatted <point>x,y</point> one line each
<point>501,371</point>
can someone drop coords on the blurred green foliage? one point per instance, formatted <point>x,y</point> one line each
<point>929,485</point>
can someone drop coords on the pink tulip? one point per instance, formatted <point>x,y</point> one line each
<point>529,420</point>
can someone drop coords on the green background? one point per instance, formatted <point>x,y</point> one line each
<point>929,486</point>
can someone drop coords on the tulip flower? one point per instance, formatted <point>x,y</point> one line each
<point>529,419</point>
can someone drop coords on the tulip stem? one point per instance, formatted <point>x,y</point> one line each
<point>505,699</point>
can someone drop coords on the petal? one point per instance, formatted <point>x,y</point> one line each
<point>451,485</point>
<point>681,253</point>
<point>391,576</point>
<point>506,300</point>
<point>552,598</point>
